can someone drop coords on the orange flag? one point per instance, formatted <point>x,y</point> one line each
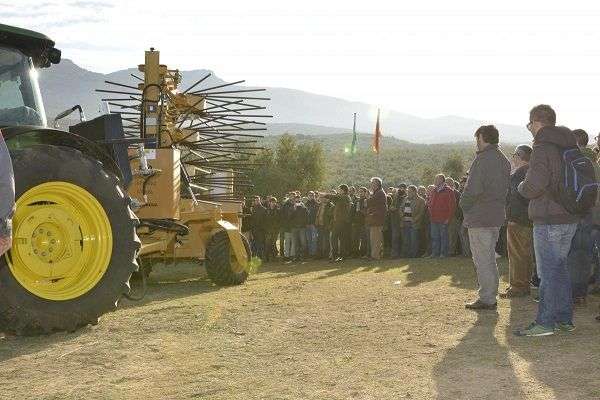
<point>377,136</point>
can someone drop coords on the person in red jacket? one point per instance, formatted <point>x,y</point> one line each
<point>441,205</point>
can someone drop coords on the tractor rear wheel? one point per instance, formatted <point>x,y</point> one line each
<point>74,243</point>
<point>221,265</point>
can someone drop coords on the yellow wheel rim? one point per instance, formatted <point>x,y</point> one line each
<point>62,241</point>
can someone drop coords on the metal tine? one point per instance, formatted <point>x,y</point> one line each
<point>237,97</point>
<point>244,115</point>
<point>218,86</point>
<point>124,106</point>
<point>222,106</point>
<point>122,85</point>
<point>231,91</point>
<point>197,83</point>
<point>117,92</point>
<point>240,109</point>
<point>240,120</point>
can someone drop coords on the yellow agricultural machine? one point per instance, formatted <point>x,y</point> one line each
<point>175,157</point>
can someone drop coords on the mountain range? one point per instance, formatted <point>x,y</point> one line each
<point>294,111</point>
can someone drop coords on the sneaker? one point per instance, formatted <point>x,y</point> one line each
<point>512,293</point>
<point>534,330</point>
<point>565,327</point>
<point>480,305</point>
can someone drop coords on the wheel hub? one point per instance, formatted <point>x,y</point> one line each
<point>63,241</point>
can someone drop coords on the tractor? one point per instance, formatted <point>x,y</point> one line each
<point>75,233</point>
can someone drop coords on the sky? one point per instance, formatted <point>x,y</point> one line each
<point>487,60</point>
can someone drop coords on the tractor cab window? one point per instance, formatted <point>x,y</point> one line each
<point>20,99</point>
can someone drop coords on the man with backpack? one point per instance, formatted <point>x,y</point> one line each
<point>553,226</point>
<point>579,260</point>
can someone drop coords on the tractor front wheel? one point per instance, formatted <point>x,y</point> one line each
<point>74,243</point>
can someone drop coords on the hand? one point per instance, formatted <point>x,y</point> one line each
<point>5,244</point>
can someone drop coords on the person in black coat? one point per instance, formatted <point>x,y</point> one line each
<point>272,222</point>
<point>259,227</point>
<point>298,222</point>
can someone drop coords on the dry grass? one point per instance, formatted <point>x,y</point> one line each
<point>394,330</point>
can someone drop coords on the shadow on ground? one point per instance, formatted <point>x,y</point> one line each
<point>478,367</point>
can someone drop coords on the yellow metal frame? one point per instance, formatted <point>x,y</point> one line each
<point>62,241</point>
<point>203,218</point>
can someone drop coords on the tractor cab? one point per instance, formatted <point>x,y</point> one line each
<point>21,52</point>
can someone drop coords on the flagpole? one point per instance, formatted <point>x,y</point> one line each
<point>354,139</point>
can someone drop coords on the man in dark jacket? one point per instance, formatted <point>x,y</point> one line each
<point>323,221</point>
<point>311,229</point>
<point>7,197</point>
<point>375,217</point>
<point>359,232</point>
<point>339,231</point>
<point>259,227</point>
<point>298,222</point>
<point>273,226</point>
<point>519,231</point>
<point>285,237</point>
<point>553,226</point>
<point>483,204</point>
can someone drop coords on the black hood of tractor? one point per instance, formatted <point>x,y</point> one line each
<point>33,44</point>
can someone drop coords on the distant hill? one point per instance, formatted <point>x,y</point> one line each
<point>295,111</point>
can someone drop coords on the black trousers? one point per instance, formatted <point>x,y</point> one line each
<point>340,240</point>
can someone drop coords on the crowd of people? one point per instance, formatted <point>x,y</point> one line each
<point>500,206</point>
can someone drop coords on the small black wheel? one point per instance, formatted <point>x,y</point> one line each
<point>221,265</point>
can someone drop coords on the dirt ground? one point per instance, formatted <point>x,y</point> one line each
<point>357,330</point>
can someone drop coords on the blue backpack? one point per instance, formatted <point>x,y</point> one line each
<point>577,188</point>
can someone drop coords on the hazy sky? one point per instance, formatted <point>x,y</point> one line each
<point>427,58</point>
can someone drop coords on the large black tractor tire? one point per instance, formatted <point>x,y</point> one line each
<point>218,261</point>
<point>24,313</point>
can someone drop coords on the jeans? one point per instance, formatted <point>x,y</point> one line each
<point>288,250</point>
<point>595,239</point>
<point>579,260</point>
<point>259,244</point>
<point>311,240</point>
<point>552,244</point>
<point>410,240</point>
<point>323,242</point>
<point>299,242</point>
<point>439,240</point>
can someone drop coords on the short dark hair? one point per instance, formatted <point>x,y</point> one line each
<point>402,186</point>
<point>544,114</point>
<point>488,133</point>
<point>582,137</point>
<point>344,188</point>
<point>523,151</point>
